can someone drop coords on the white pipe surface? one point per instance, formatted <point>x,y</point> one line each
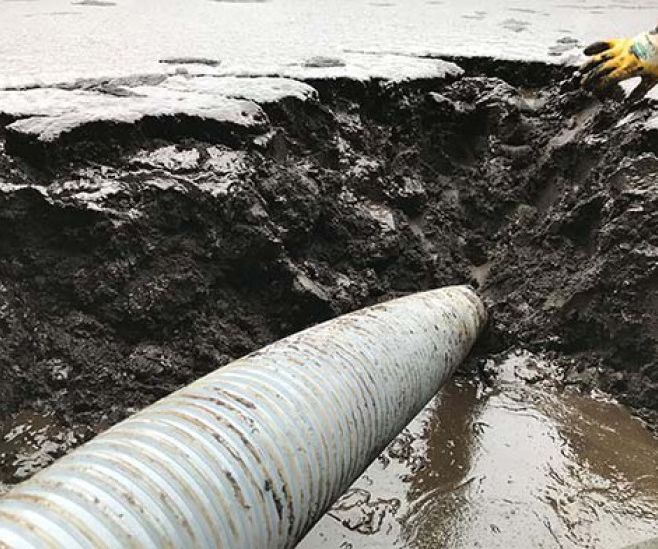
<point>253,454</point>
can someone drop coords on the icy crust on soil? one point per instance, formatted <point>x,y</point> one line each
<point>46,114</point>
<point>368,66</point>
<point>260,89</point>
<point>50,128</point>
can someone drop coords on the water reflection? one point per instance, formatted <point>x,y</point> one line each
<point>519,465</point>
<point>29,442</point>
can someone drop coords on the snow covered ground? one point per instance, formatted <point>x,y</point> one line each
<point>46,114</point>
<point>169,53</point>
<point>50,41</point>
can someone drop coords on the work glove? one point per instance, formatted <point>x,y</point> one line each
<point>615,60</point>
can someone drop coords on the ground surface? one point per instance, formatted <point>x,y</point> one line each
<point>92,39</point>
<point>155,227</point>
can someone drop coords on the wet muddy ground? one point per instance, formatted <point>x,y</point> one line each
<point>136,258</point>
<point>512,465</point>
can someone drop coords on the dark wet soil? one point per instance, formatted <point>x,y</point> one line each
<point>130,267</point>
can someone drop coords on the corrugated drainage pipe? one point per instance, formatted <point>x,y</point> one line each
<point>251,455</point>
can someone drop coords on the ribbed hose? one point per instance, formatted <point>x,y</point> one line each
<point>253,454</point>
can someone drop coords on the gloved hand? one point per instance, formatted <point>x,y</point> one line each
<point>615,60</point>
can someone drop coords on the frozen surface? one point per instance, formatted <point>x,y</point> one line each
<point>47,41</point>
<point>364,66</point>
<point>47,113</point>
<point>258,89</point>
<point>159,102</point>
<point>217,60</point>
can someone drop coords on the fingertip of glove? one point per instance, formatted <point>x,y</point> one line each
<point>597,47</point>
<point>593,64</point>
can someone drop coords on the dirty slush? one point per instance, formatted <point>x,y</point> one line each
<point>210,247</point>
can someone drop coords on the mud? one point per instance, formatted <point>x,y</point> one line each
<point>512,465</point>
<point>135,261</point>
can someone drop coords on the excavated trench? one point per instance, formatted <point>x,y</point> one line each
<point>137,257</point>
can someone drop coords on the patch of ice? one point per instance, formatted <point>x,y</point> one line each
<point>164,184</point>
<point>364,169</point>
<point>12,187</point>
<point>382,215</point>
<point>257,89</point>
<point>386,66</point>
<point>652,123</point>
<point>45,101</point>
<point>627,119</point>
<point>225,167</point>
<point>629,85</point>
<point>225,161</point>
<point>47,113</point>
<point>170,158</point>
<point>63,111</point>
<point>87,191</point>
<point>653,94</point>
<point>215,188</point>
<point>93,192</point>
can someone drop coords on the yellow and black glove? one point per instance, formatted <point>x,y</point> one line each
<point>615,60</point>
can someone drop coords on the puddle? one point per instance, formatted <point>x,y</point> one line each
<point>515,466</point>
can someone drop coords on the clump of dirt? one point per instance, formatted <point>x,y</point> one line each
<point>129,271</point>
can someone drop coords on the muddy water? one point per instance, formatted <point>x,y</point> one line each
<point>517,465</point>
<point>33,441</point>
